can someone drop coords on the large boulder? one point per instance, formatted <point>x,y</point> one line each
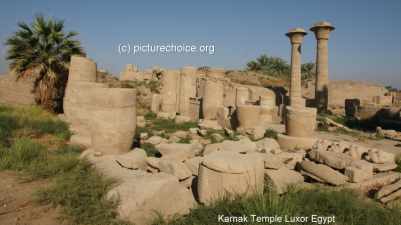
<point>379,156</point>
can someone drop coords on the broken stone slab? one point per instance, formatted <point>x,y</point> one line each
<point>332,159</point>
<point>356,151</point>
<point>221,173</point>
<point>143,198</point>
<point>388,189</point>
<point>273,161</point>
<point>204,124</point>
<point>182,119</point>
<point>365,166</point>
<point>136,157</point>
<point>233,146</point>
<point>356,175</point>
<point>337,147</point>
<point>193,164</point>
<point>154,140</point>
<point>174,139</point>
<point>177,169</point>
<point>384,167</point>
<point>323,173</point>
<point>202,133</point>
<point>181,151</point>
<point>232,162</point>
<point>211,148</point>
<point>379,156</point>
<point>267,144</point>
<point>193,130</point>
<point>391,197</point>
<point>229,132</point>
<point>180,134</point>
<point>322,144</point>
<point>187,183</point>
<point>282,179</point>
<point>153,161</point>
<point>217,137</point>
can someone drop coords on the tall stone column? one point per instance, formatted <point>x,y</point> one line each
<point>296,35</point>
<point>169,91</point>
<point>213,93</point>
<point>322,32</point>
<point>187,89</point>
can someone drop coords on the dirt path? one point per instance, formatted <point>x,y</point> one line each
<point>15,206</point>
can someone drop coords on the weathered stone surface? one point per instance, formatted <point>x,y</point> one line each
<point>154,140</point>
<point>227,172</point>
<point>182,119</point>
<point>153,161</point>
<point>136,156</point>
<point>180,134</point>
<point>379,156</point>
<point>282,179</point>
<point>248,115</point>
<point>356,151</point>
<point>391,197</point>
<point>332,159</point>
<point>217,137</point>
<point>384,167</point>
<point>267,144</point>
<point>388,189</point>
<point>233,146</point>
<point>211,148</point>
<point>204,124</point>
<point>113,119</point>
<point>300,122</point>
<point>322,144</point>
<point>182,151</point>
<point>193,164</point>
<point>273,161</point>
<point>178,169</point>
<point>356,175</point>
<point>323,173</point>
<point>365,166</point>
<point>141,198</point>
<point>231,162</point>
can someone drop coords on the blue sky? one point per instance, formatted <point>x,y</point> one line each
<point>365,45</point>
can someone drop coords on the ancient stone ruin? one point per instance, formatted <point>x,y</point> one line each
<point>183,175</point>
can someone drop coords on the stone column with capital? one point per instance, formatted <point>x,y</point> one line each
<point>322,32</point>
<point>296,35</point>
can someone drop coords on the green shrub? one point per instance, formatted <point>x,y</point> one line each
<point>149,149</point>
<point>186,139</point>
<point>270,133</point>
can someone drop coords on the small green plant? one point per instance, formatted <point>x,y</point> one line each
<point>398,162</point>
<point>270,133</point>
<point>149,149</point>
<point>186,139</point>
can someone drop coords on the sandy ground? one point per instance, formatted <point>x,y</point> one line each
<point>15,205</point>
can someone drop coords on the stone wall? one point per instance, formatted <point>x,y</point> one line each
<point>341,90</point>
<point>19,93</point>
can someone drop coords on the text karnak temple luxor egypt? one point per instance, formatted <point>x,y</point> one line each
<point>105,120</point>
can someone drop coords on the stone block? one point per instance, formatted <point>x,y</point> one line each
<point>282,179</point>
<point>227,172</point>
<point>333,159</point>
<point>142,198</point>
<point>323,173</point>
<point>356,175</point>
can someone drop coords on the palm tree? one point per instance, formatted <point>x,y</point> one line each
<point>308,70</point>
<point>253,66</point>
<point>263,61</point>
<point>43,51</point>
